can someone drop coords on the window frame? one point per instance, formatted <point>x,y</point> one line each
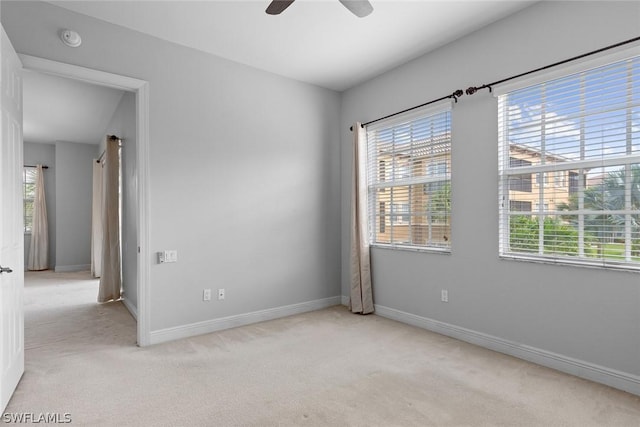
<point>546,175</point>
<point>390,179</point>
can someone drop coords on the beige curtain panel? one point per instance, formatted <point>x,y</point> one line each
<point>361,288</point>
<point>111,278</point>
<point>39,248</point>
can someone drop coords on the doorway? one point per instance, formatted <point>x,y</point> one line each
<point>63,318</point>
<point>140,89</point>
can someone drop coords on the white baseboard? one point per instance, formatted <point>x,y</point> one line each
<point>132,308</point>
<point>70,268</point>
<point>600,374</point>
<point>213,325</point>
<point>345,301</point>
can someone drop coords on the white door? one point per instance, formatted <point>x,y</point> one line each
<point>11,225</point>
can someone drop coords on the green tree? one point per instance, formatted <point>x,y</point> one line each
<point>440,203</point>
<point>523,233</point>
<point>614,187</point>
<point>609,195</point>
<point>559,237</point>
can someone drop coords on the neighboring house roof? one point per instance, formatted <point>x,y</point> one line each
<point>536,152</point>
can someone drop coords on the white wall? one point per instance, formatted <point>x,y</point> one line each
<point>591,315</point>
<point>244,169</point>
<point>44,154</point>
<point>123,125</point>
<point>74,187</point>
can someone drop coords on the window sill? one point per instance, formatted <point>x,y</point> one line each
<point>433,250</point>
<point>610,265</point>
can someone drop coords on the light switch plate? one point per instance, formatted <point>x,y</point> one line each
<point>168,256</point>
<point>171,256</point>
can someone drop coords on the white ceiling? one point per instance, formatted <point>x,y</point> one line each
<point>59,109</point>
<point>314,41</point>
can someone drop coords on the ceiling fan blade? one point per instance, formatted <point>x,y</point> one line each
<point>360,8</point>
<point>276,7</point>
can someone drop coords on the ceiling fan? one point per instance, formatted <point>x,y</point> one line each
<point>360,8</point>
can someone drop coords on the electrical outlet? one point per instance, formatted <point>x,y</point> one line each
<point>206,295</point>
<point>220,294</point>
<point>444,295</point>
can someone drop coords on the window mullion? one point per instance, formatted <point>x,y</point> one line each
<point>429,219</point>
<point>409,213</point>
<point>581,172</point>
<point>541,180</point>
<point>628,172</point>
<point>581,182</point>
<point>628,179</point>
<point>391,214</point>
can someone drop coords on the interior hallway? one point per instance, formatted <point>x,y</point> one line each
<point>62,316</point>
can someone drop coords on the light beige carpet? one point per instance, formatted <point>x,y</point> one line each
<point>325,368</point>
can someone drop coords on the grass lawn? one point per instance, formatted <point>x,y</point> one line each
<point>613,251</point>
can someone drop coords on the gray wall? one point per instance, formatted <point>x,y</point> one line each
<point>584,313</point>
<point>123,125</point>
<point>244,168</point>
<point>74,177</point>
<point>44,154</point>
<point>246,181</point>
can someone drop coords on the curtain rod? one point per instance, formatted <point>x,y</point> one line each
<point>110,138</point>
<point>473,89</point>
<point>455,95</point>
<point>35,166</point>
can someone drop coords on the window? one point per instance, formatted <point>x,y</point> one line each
<point>520,182</point>
<point>383,175</point>
<point>580,136</point>
<point>408,176</point>
<point>28,196</point>
<point>519,206</point>
<point>400,213</point>
<point>437,168</point>
<point>573,183</point>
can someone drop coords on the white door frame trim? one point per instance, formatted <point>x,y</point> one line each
<point>141,89</point>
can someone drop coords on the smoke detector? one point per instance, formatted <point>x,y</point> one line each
<point>70,38</point>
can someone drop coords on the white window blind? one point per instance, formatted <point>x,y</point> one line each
<point>408,176</point>
<point>569,166</point>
